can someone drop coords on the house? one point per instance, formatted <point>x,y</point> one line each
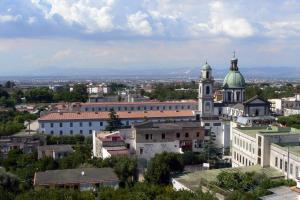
<point>80,179</point>
<point>27,144</point>
<point>54,151</point>
<point>152,138</point>
<point>107,144</point>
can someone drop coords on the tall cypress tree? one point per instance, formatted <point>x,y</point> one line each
<point>114,121</point>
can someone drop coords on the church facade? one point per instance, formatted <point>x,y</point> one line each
<point>233,110</point>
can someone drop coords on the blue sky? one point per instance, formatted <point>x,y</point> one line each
<point>37,35</point>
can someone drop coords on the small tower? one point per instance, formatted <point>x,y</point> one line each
<point>234,84</point>
<point>205,92</point>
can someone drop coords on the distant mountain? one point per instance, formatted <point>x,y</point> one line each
<point>160,72</point>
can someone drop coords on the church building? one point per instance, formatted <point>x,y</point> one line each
<point>234,110</point>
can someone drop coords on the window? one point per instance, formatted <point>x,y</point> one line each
<point>71,132</point>
<point>132,108</point>
<point>206,133</point>
<point>51,125</point>
<point>229,96</point>
<point>207,90</point>
<point>189,107</point>
<point>71,124</point>
<point>276,162</point>
<point>207,124</point>
<point>141,151</point>
<point>259,140</point>
<point>280,163</point>
<point>291,169</point>
<point>297,171</point>
<point>170,107</point>
<point>178,135</point>
<point>157,108</point>
<point>43,125</point>
<point>234,153</point>
<point>90,131</point>
<point>101,123</point>
<point>80,124</point>
<point>285,166</point>
<point>238,96</point>
<point>147,136</point>
<point>259,161</point>
<point>81,132</point>
<point>60,124</point>
<point>163,136</point>
<point>198,134</point>
<point>90,123</point>
<point>52,132</point>
<point>186,134</point>
<point>139,108</point>
<point>207,74</point>
<point>60,132</point>
<point>217,124</point>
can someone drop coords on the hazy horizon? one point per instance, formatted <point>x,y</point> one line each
<point>62,37</point>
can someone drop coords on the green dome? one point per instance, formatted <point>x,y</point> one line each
<point>234,79</point>
<point>206,67</point>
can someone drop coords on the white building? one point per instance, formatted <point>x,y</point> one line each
<point>135,106</point>
<point>71,123</point>
<point>286,106</point>
<point>275,147</point>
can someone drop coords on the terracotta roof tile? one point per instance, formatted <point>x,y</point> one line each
<point>57,116</point>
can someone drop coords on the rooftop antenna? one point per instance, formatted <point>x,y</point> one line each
<point>233,54</point>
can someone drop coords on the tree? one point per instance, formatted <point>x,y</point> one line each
<point>9,84</point>
<point>161,166</point>
<point>211,151</point>
<point>79,93</point>
<point>114,122</point>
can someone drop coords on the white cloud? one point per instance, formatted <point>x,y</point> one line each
<point>139,24</point>
<point>93,15</point>
<point>282,29</point>
<point>31,20</point>
<point>222,21</point>
<point>9,18</point>
<point>62,54</point>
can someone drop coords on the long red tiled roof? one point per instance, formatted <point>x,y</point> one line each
<point>122,115</point>
<point>139,103</point>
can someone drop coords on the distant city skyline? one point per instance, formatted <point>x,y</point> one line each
<point>62,36</point>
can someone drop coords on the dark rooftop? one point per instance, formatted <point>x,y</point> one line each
<point>75,176</point>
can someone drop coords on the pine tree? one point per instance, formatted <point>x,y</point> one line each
<point>114,121</point>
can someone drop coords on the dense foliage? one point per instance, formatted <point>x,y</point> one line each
<point>46,95</point>
<point>25,165</point>
<point>291,121</point>
<point>146,191</point>
<point>164,92</point>
<point>268,92</point>
<point>13,121</point>
<point>249,185</point>
<point>161,167</point>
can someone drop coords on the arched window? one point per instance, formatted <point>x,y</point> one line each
<point>229,96</point>
<point>238,94</point>
<point>207,74</point>
<point>207,89</point>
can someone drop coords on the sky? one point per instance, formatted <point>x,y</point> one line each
<point>67,35</point>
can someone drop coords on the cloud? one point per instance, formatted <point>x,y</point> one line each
<point>93,15</point>
<point>282,29</point>
<point>9,18</point>
<point>138,23</point>
<point>223,21</point>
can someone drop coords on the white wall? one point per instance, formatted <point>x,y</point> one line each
<point>45,126</point>
<point>150,149</point>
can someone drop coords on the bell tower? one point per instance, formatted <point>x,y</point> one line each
<point>205,92</point>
